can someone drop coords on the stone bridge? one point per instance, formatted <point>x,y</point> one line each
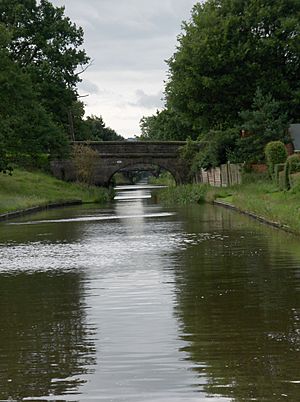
<point>115,156</point>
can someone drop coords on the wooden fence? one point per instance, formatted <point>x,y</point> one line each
<point>222,176</point>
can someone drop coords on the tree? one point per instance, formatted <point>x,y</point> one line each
<point>93,128</point>
<point>226,51</point>
<point>263,123</point>
<point>47,45</point>
<point>25,126</point>
<point>163,126</point>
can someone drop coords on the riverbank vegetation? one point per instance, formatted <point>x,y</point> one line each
<point>233,82</point>
<point>164,179</point>
<point>30,189</point>
<point>258,195</point>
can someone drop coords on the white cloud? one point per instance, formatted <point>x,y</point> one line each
<point>129,41</point>
<point>148,101</point>
<point>88,86</point>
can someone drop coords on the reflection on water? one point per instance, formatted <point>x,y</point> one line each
<point>136,302</point>
<point>46,344</point>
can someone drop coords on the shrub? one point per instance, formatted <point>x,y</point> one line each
<point>275,152</point>
<point>84,159</point>
<point>295,182</point>
<point>278,169</point>
<point>292,165</point>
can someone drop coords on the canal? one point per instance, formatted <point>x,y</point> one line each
<point>141,303</point>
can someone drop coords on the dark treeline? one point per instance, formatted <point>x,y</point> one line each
<point>41,61</point>
<point>236,70</point>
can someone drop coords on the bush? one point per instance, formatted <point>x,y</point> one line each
<point>278,169</point>
<point>295,183</point>
<point>292,165</point>
<point>84,159</point>
<point>275,152</point>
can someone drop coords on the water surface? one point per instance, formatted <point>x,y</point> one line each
<point>137,302</point>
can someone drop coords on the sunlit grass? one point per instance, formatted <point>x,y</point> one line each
<point>29,189</point>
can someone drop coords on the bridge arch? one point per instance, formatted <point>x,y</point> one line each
<point>144,167</point>
<point>115,155</point>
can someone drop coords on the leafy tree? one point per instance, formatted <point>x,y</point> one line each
<point>217,147</point>
<point>163,126</point>
<point>25,127</point>
<point>263,123</point>
<point>227,50</point>
<point>93,128</point>
<point>47,45</point>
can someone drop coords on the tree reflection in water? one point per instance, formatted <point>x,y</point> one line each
<point>238,302</point>
<point>46,344</point>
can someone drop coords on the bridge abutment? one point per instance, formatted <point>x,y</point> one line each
<point>115,156</point>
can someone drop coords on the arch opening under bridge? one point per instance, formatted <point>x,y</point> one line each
<point>117,155</point>
<point>136,171</point>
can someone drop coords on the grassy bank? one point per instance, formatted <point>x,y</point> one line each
<point>165,179</point>
<point>259,196</point>
<point>29,189</point>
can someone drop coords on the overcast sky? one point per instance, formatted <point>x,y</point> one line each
<point>128,41</point>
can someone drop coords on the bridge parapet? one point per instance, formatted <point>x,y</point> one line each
<point>134,147</point>
<point>117,155</point>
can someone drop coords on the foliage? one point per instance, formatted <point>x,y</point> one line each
<point>164,179</point>
<point>30,189</point>
<point>293,162</point>
<point>292,165</point>
<point>163,126</point>
<point>183,195</point>
<point>47,45</point>
<point>216,148</point>
<point>275,152</point>
<point>278,174</point>
<point>295,183</point>
<point>226,51</point>
<point>263,123</point>
<point>84,159</point>
<point>93,128</point>
<point>189,150</point>
<point>25,126</point>
<point>257,194</point>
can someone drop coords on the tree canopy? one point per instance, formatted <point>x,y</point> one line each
<point>93,128</point>
<point>227,52</point>
<point>25,126</point>
<point>41,61</point>
<point>47,45</point>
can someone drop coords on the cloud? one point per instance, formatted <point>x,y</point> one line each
<point>128,41</point>
<point>89,87</point>
<point>148,101</point>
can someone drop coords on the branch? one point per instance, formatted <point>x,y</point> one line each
<point>85,68</point>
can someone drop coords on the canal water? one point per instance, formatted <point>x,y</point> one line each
<point>138,302</point>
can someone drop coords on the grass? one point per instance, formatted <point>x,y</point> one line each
<point>258,195</point>
<point>164,179</point>
<point>29,189</point>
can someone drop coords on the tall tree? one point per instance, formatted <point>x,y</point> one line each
<point>93,128</point>
<point>47,45</point>
<point>25,126</point>
<point>164,126</point>
<point>226,51</point>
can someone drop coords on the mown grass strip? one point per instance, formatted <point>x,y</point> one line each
<point>261,198</point>
<point>25,190</point>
